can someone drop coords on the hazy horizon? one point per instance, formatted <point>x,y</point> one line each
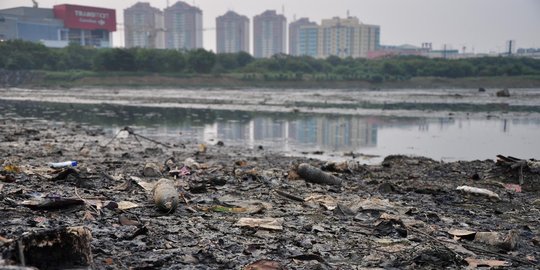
<point>480,26</point>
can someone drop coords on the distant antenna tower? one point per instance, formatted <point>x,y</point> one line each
<point>35,3</point>
<point>510,45</point>
<point>167,3</point>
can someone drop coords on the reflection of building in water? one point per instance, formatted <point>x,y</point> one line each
<point>304,131</point>
<point>335,134</point>
<point>345,133</point>
<point>269,129</point>
<point>234,130</point>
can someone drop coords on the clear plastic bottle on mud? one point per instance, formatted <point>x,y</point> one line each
<point>65,164</point>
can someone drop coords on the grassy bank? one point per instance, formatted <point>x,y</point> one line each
<point>72,79</point>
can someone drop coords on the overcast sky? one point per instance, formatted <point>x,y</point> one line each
<point>479,25</point>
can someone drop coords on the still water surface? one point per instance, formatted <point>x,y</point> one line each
<point>447,138</point>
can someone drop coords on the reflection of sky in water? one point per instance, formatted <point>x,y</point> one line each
<point>462,139</point>
<point>438,138</point>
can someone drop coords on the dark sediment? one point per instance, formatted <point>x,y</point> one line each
<point>394,215</point>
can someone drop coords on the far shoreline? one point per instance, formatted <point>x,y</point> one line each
<point>85,79</point>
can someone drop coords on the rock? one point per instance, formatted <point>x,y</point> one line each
<point>165,195</point>
<point>503,241</point>
<point>151,170</point>
<point>503,93</point>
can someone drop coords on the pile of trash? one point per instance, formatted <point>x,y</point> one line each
<point>71,197</point>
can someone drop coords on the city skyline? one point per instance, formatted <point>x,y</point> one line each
<point>454,24</point>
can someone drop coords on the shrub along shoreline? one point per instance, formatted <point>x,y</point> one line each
<point>77,79</point>
<point>76,66</point>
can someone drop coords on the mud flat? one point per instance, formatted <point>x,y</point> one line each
<point>249,208</point>
<point>392,102</point>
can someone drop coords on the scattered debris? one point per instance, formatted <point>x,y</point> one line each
<point>347,166</point>
<point>513,187</point>
<point>462,233</point>
<point>125,221</point>
<point>393,228</point>
<point>264,265</point>
<point>151,170</point>
<point>182,172</point>
<point>263,223</point>
<point>202,148</point>
<point>244,206</point>
<point>402,214</point>
<point>503,93</point>
<point>314,175</point>
<point>4,240</point>
<point>7,178</point>
<point>506,242</point>
<point>130,131</point>
<point>325,200</point>
<point>65,173</point>
<point>54,249</point>
<point>148,187</point>
<point>64,164</point>
<point>514,164</point>
<point>308,257</point>
<point>191,163</point>
<point>51,202</point>
<point>12,169</point>
<point>479,191</point>
<point>125,205</point>
<point>475,263</point>
<point>165,195</point>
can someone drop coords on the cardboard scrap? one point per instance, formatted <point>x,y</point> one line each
<point>263,223</point>
<point>461,233</point>
<point>124,205</point>
<point>325,200</point>
<point>148,187</point>
<point>474,263</point>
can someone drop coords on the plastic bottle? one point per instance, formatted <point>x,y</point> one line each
<point>65,164</point>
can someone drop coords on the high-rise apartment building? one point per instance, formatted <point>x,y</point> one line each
<point>184,28</point>
<point>232,33</point>
<point>347,38</point>
<point>303,38</point>
<point>269,31</point>
<point>143,26</point>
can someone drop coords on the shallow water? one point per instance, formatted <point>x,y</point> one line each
<point>369,138</point>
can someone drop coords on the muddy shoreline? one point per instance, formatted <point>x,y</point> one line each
<point>401,214</point>
<point>402,102</point>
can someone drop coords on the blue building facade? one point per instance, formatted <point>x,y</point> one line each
<point>308,41</point>
<point>31,24</point>
<point>303,37</point>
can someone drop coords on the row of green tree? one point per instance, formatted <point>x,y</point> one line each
<point>22,55</point>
